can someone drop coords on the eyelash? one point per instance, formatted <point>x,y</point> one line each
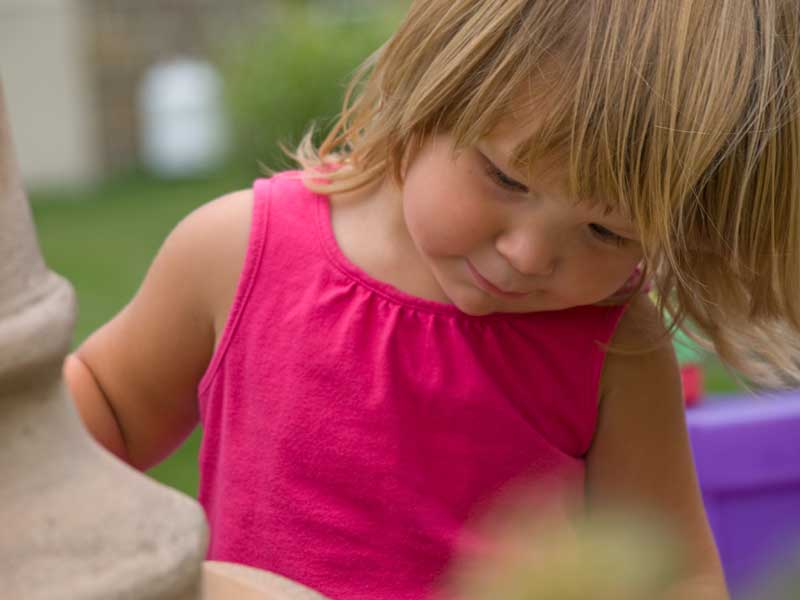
<point>607,236</point>
<point>604,235</point>
<point>502,179</point>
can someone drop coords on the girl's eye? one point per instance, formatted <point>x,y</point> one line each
<point>502,179</point>
<point>606,235</point>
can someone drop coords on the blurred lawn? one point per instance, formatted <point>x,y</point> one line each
<point>103,240</point>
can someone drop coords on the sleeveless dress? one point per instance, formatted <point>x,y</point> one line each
<point>352,432</point>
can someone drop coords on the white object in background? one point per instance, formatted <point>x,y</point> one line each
<point>183,126</point>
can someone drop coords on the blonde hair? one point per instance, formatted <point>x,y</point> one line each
<point>683,114</point>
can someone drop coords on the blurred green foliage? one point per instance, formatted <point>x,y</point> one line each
<point>294,73</point>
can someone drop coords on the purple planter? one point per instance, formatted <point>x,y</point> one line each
<point>747,453</point>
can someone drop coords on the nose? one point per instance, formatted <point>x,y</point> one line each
<point>531,250</point>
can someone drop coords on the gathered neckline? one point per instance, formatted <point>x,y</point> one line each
<point>340,260</point>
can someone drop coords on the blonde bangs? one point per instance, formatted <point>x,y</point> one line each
<point>683,115</point>
<point>455,67</point>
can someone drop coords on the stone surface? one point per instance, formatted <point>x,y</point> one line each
<point>77,523</point>
<point>222,581</point>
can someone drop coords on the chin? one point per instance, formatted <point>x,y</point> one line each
<point>474,307</point>
<point>475,312</point>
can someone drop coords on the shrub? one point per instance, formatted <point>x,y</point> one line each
<point>293,73</point>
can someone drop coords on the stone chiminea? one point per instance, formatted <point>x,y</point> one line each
<point>78,523</point>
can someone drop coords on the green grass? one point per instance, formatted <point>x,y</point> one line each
<point>103,240</point>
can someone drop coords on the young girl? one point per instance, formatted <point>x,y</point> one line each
<point>447,302</point>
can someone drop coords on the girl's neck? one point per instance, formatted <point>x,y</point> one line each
<point>370,230</point>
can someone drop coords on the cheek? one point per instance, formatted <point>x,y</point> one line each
<point>444,214</point>
<point>603,276</point>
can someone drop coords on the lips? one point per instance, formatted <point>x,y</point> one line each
<point>491,288</point>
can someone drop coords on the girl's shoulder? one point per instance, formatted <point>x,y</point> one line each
<point>208,247</point>
<point>640,370</point>
<point>640,352</point>
<point>641,322</point>
<point>220,233</point>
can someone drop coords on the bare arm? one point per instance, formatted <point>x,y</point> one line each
<point>134,380</point>
<point>93,407</point>
<point>641,455</point>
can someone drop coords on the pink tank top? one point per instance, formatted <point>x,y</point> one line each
<point>352,431</point>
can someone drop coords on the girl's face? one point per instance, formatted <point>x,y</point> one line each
<point>496,241</point>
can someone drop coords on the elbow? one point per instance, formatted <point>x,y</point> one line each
<point>93,406</point>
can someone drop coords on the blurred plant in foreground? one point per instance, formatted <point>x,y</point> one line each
<point>531,549</point>
<point>609,556</point>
